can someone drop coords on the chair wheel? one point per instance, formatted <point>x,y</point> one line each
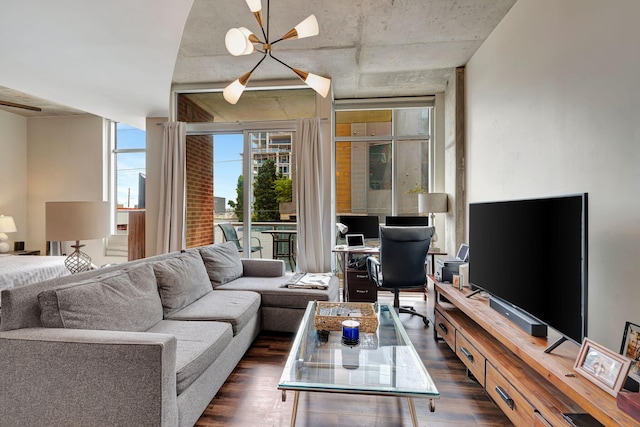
<point>426,321</point>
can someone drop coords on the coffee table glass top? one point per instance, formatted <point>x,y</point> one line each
<point>384,362</point>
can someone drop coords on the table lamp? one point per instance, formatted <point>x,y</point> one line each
<point>433,203</point>
<point>69,221</point>
<point>7,225</point>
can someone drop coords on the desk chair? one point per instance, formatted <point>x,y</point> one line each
<point>230,235</point>
<point>403,251</point>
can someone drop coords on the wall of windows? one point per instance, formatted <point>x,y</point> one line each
<point>382,158</point>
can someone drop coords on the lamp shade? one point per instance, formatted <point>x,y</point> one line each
<point>7,224</point>
<point>433,203</point>
<point>66,221</point>
<point>254,5</point>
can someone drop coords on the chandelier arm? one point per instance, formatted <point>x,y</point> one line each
<point>259,62</point>
<point>302,74</point>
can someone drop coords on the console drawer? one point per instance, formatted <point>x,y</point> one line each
<point>519,411</point>
<point>445,330</point>
<point>472,358</point>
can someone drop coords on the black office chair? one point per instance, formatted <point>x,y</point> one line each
<point>230,235</point>
<point>403,251</point>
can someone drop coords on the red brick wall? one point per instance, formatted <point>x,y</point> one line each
<point>199,224</point>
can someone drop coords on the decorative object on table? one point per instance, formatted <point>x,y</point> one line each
<point>456,281</point>
<point>629,402</point>
<point>241,41</point>
<point>631,348</point>
<point>7,225</point>
<point>330,315</point>
<point>605,368</point>
<point>463,272</point>
<point>350,332</point>
<point>433,203</point>
<point>69,221</point>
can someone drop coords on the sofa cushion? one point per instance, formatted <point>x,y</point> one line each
<point>222,262</point>
<point>272,293</point>
<point>127,300</point>
<point>198,345</point>
<point>181,280</point>
<point>236,308</point>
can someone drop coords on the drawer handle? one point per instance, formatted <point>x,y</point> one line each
<point>467,354</point>
<point>361,277</point>
<point>504,396</point>
<point>443,327</point>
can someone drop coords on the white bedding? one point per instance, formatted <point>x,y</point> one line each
<point>20,270</point>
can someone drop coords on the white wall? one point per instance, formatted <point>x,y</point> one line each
<point>65,163</point>
<point>553,107</point>
<point>13,173</point>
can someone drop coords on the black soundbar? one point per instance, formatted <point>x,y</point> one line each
<point>523,320</point>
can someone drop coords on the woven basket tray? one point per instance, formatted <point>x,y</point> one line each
<point>330,315</point>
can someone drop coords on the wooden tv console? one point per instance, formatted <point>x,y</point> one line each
<point>530,386</point>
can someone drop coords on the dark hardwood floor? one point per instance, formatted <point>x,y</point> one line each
<point>250,396</point>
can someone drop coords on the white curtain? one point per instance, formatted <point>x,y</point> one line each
<point>172,188</point>
<point>313,199</point>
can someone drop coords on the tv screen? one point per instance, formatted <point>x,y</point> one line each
<point>360,224</point>
<point>407,221</point>
<point>532,254</point>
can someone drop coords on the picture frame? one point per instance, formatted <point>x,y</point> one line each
<point>631,348</point>
<point>605,368</point>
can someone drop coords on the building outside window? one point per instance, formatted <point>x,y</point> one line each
<point>382,160</point>
<point>128,173</point>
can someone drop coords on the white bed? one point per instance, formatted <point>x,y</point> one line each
<point>20,270</point>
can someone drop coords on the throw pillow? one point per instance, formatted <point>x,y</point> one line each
<point>222,262</point>
<point>181,280</point>
<point>125,301</point>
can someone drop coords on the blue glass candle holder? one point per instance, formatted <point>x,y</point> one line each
<point>350,332</point>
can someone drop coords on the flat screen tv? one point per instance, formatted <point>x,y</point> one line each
<point>532,255</point>
<point>366,225</point>
<point>407,221</point>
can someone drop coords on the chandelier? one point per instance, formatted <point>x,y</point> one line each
<point>241,41</point>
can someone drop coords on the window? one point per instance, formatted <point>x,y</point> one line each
<point>128,173</point>
<point>382,157</point>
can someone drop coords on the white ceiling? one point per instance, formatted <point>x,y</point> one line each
<point>120,59</point>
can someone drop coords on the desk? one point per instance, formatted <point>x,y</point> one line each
<point>346,253</point>
<point>284,245</point>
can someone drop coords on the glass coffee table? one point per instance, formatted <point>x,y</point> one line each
<point>384,363</point>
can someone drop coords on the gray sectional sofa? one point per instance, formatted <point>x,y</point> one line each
<point>144,343</point>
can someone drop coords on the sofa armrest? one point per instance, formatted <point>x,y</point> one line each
<point>73,377</point>
<point>258,267</point>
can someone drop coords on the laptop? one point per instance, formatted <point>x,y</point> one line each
<point>355,241</point>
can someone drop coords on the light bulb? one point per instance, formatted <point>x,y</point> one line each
<point>233,92</point>
<point>254,5</point>
<point>236,42</point>
<point>318,83</point>
<point>308,27</point>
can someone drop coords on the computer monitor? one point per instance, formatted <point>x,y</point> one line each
<point>407,221</point>
<point>366,225</point>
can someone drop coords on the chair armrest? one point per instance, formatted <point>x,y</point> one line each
<point>373,270</point>
<point>65,377</point>
<point>259,267</point>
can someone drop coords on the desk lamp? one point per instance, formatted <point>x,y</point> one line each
<point>7,225</point>
<point>433,203</point>
<point>68,221</point>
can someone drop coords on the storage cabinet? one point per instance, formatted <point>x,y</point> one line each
<point>530,386</point>
<point>360,288</point>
